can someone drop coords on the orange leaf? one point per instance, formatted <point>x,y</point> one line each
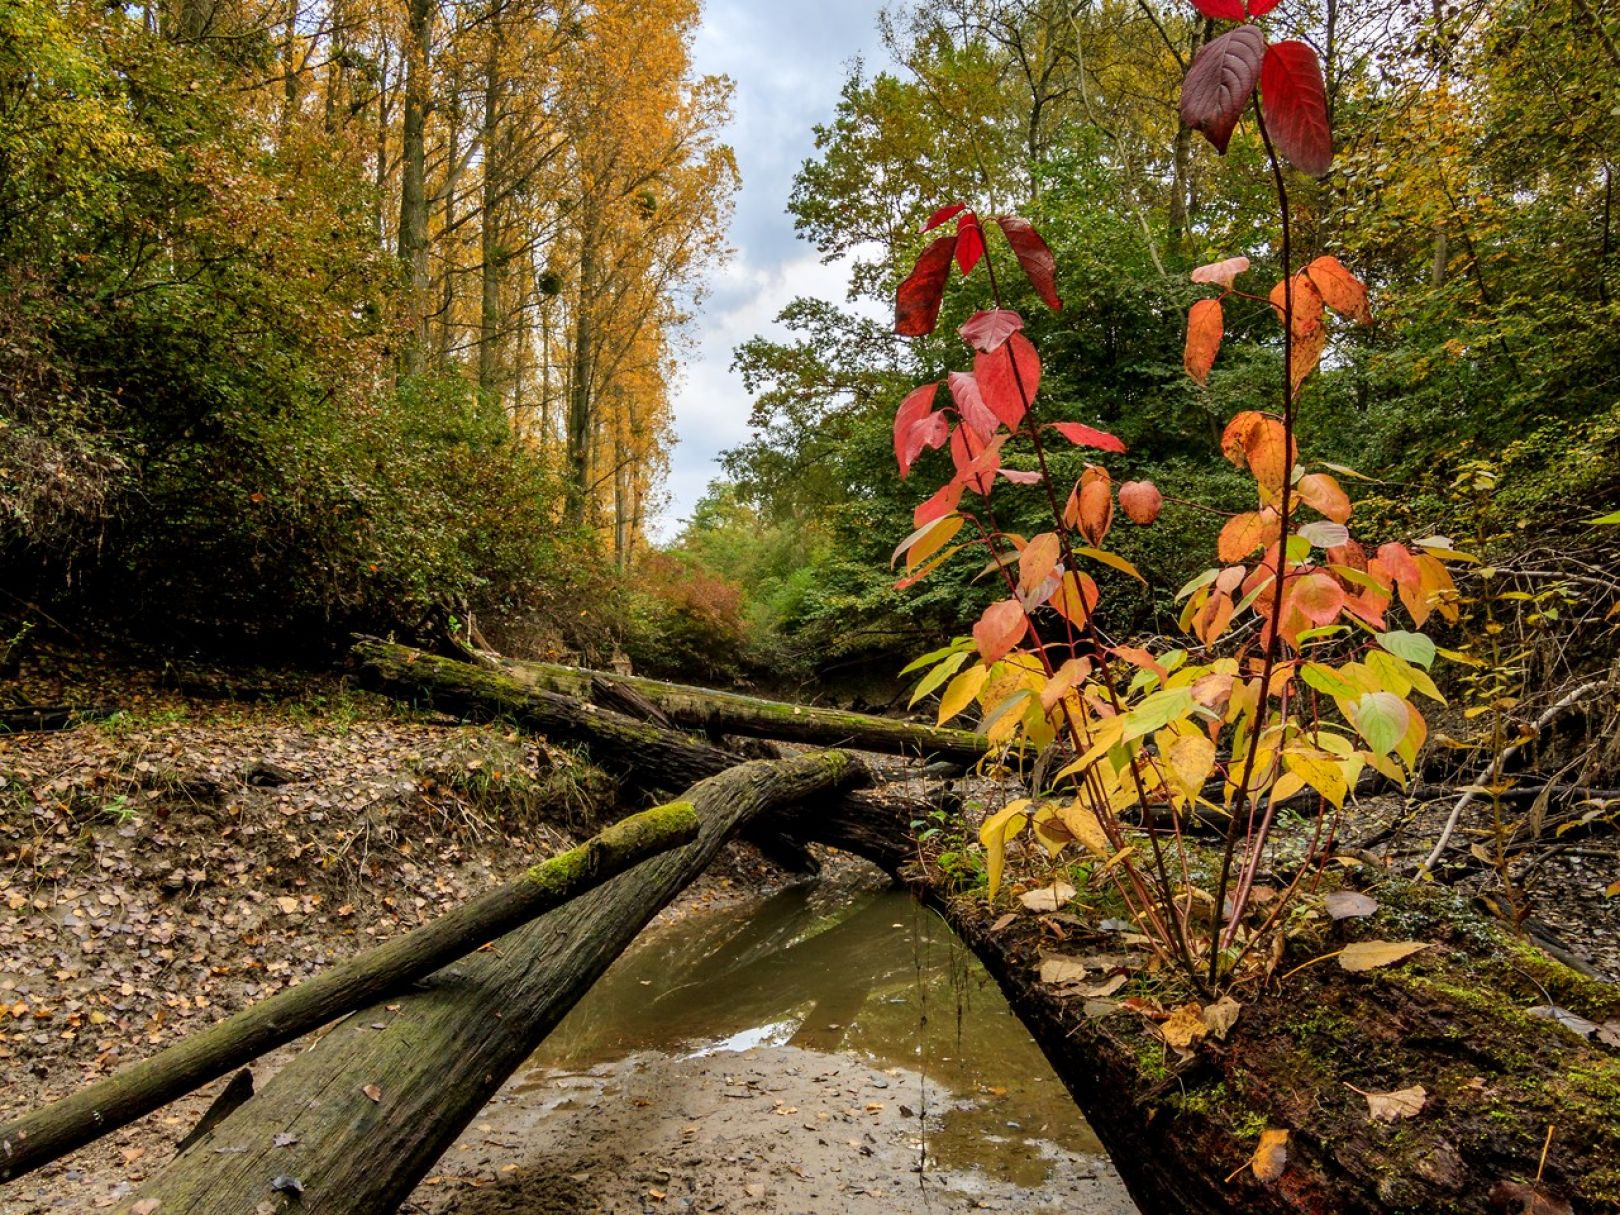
<point>1271,1156</point>
<point>999,629</point>
<point>1204,328</point>
<point>1309,307</point>
<point>1036,560</point>
<point>1306,354</point>
<point>1343,291</point>
<point>1096,511</point>
<point>1246,532</point>
<point>1141,501</point>
<point>1075,597</point>
<point>1265,450</point>
<point>1322,493</point>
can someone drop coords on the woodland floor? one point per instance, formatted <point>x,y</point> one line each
<point>195,853</point>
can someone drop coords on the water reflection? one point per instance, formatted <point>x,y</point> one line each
<point>879,977</point>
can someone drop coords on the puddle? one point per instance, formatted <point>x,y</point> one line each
<point>787,1056</point>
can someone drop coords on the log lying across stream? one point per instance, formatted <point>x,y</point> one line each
<point>352,1124</point>
<point>875,824</point>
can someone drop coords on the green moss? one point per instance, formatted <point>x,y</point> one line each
<point>643,834</point>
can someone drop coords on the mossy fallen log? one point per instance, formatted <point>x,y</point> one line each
<point>875,824</point>
<point>1307,1048</point>
<point>352,1124</point>
<point>717,713</point>
<point>45,1134</point>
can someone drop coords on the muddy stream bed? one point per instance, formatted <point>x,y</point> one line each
<point>813,1051</point>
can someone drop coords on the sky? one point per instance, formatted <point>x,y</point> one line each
<point>788,62</point>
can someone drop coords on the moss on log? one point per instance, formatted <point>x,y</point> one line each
<point>716,712</point>
<point>1452,1019</point>
<point>363,1114</point>
<point>875,824</point>
<point>45,1134</point>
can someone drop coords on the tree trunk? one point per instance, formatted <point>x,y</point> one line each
<point>873,824</point>
<point>1181,1130</point>
<point>413,200</point>
<point>490,321</point>
<point>731,713</point>
<point>578,441</point>
<point>360,1117</point>
<point>59,1128</point>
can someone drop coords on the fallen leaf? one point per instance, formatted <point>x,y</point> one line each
<point>1391,1106</point>
<point>1516,1198</point>
<point>1047,898</point>
<point>1058,968</point>
<point>1271,1156</point>
<point>284,1184</point>
<point>1185,1026</point>
<point>1370,955</point>
<point>657,1195</point>
<point>285,1139</point>
<point>372,1091</point>
<point>145,1206</point>
<point>1220,1016</point>
<point>1612,890</point>
<point>1004,921</point>
<point>1565,1018</point>
<point>1102,989</point>
<point>1347,904</point>
<point>1609,1033</point>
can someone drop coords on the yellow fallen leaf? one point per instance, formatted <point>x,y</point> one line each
<point>1370,955</point>
<point>1271,1156</point>
<point>1185,1026</point>
<point>1048,898</point>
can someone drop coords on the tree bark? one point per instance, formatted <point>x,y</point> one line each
<point>361,1116</point>
<point>731,713</point>
<point>413,200</point>
<point>59,1128</point>
<point>873,824</point>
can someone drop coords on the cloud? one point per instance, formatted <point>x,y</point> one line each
<point>788,63</point>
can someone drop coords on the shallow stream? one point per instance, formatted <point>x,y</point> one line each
<point>808,1052</point>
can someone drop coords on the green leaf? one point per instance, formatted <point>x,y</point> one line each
<point>1414,647</point>
<point>939,675</point>
<point>1326,680</point>
<point>1381,718</point>
<point>1612,517</point>
<point>960,645</point>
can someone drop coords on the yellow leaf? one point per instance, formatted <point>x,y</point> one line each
<point>960,692</point>
<point>1319,772</point>
<point>1003,825</point>
<point>1185,1026</point>
<point>1271,1156</point>
<point>1113,560</point>
<point>1191,758</point>
<point>1370,955</point>
<point>1083,824</point>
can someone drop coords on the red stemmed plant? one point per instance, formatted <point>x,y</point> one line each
<point>1292,681</point>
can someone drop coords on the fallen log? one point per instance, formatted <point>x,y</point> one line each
<point>717,713</point>
<point>35,719</point>
<point>875,824</point>
<point>45,1134</point>
<point>352,1124</point>
<point>1307,1050</point>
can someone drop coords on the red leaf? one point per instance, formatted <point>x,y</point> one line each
<point>999,629</point>
<point>984,331</point>
<point>917,406</point>
<point>969,242</point>
<point>1204,330</point>
<point>1141,501</point>
<point>1259,8</point>
<point>916,305</point>
<point>1082,435</point>
<point>1221,10</point>
<point>942,503</point>
<point>944,215</point>
<point>1008,377</point>
<point>970,404</point>
<point>1294,101</point>
<point>1220,83</point>
<point>975,460</point>
<point>1033,255</point>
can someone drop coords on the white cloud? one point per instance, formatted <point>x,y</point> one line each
<point>788,63</point>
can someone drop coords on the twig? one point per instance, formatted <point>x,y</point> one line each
<point>1496,767</point>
